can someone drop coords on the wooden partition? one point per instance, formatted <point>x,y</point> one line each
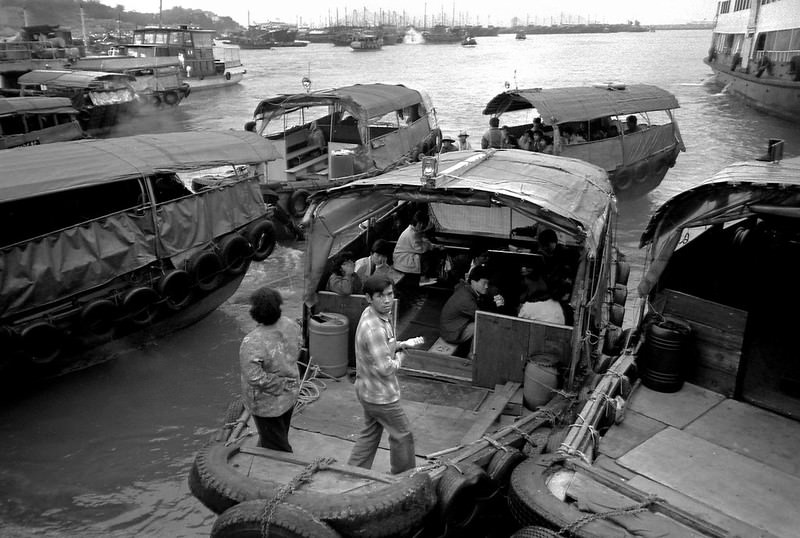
<point>715,348</point>
<point>503,344</point>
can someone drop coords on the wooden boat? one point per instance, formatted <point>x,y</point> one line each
<point>442,35</point>
<point>157,81</point>
<point>366,41</point>
<point>468,41</point>
<point>699,419</point>
<point>28,121</point>
<point>368,129</point>
<point>124,249</point>
<point>204,64</point>
<point>455,402</point>
<point>102,99</point>
<point>636,162</point>
<point>754,56</point>
<point>520,36</point>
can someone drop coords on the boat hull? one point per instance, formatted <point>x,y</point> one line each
<point>777,97</point>
<point>229,78</point>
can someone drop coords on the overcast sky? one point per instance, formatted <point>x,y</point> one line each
<point>497,12</point>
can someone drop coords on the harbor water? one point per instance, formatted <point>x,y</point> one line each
<point>106,451</point>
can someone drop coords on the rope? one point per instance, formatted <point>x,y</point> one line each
<point>310,388</point>
<point>634,509</point>
<point>494,443</point>
<point>287,489</point>
<point>528,438</point>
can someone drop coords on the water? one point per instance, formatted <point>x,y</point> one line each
<point>106,451</point>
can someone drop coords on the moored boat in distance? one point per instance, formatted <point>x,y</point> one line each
<point>468,41</point>
<point>589,123</point>
<point>366,41</point>
<point>464,456</point>
<point>440,34</point>
<point>755,54</point>
<point>102,241</point>
<point>29,121</point>
<point>698,436</point>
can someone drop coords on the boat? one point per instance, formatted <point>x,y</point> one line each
<point>366,41</point>
<point>204,63</point>
<point>157,81</point>
<point>103,243</point>
<point>755,54</point>
<point>468,41</point>
<point>36,47</point>
<point>440,34</point>
<point>29,121</point>
<point>520,36</point>
<point>102,99</point>
<point>367,128</point>
<point>698,436</point>
<point>636,162</point>
<point>591,28</point>
<point>501,197</point>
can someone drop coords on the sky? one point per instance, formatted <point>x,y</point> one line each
<point>497,12</point>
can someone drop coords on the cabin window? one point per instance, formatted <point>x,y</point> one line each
<point>47,120</point>
<point>203,40</point>
<point>63,118</point>
<point>11,125</point>
<point>387,120</point>
<point>22,219</point>
<point>725,7</point>
<point>741,4</point>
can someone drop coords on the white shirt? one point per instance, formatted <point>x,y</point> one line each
<point>549,311</point>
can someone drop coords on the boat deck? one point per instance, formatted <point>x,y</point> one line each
<point>682,446</point>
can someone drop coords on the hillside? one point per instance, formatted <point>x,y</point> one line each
<point>100,18</point>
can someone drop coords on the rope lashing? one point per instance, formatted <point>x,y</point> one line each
<point>319,464</point>
<point>633,509</point>
<point>494,443</point>
<point>528,438</point>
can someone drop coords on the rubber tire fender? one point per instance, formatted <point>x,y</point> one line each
<point>298,203</point>
<point>97,317</point>
<point>176,289</point>
<point>642,172</point>
<point>156,101</point>
<point>616,314</point>
<point>205,268</point>
<point>42,342</point>
<point>619,294</point>
<point>235,252</point>
<point>140,305</point>
<point>612,343</point>
<point>535,531</point>
<point>228,75</point>
<point>171,98</point>
<point>232,414</point>
<point>502,463</point>
<point>380,512</point>
<point>623,272</point>
<point>459,489</point>
<point>261,235</point>
<point>622,180</point>
<point>288,521</point>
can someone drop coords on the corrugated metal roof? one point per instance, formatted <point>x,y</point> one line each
<point>15,105</point>
<point>582,103</point>
<point>35,170</point>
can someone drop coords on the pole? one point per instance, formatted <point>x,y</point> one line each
<point>159,12</point>
<point>83,27</point>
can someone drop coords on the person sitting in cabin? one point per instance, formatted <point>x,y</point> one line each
<point>316,137</point>
<point>493,137</point>
<point>538,142</point>
<point>631,125</point>
<point>447,145</point>
<point>167,186</point>
<point>462,143</point>
<point>457,320</point>
<point>549,309</point>
<point>377,263</point>
<point>526,141</point>
<point>532,286</point>
<point>509,140</point>
<point>344,279</point>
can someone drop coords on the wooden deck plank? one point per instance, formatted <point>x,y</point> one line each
<point>752,431</point>
<point>306,164</point>
<point>736,485</point>
<point>489,412</point>
<point>634,430</point>
<point>676,409</point>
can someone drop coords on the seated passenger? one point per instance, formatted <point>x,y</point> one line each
<point>509,140</point>
<point>457,321</point>
<point>533,286</point>
<point>447,145</point>
<point>630,125</point>
<point>550,308</point>
<point>557,262</point>
<point>539,143</point>
<point>316,137</point>
<point>344,280</point>
<point>526,141</point>
<point>377,263</point>
<point>493,137</point>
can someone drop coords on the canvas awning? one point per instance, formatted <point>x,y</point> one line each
<point>34,170</point>
<point>36,105</point>
<point>583,103</point>
<point>738,191</point>
<point>72,79</point>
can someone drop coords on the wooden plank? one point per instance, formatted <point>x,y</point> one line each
<point>633,431</point>
<point>436,376</point>
<point>514,406</point>
<point>727,318</point>
<point>306,164</point>
<point>723,383</point>
<point>751,431</point>
<point>736,485</point>
<point>302,151</point>
<point>676,409</point>
<point>610,464</point>
<point>420,359</point>
<point>490,412</point>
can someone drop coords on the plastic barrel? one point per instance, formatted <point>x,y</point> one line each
<point>541,379</point>
<point>341,163</point>
<point>662,365</point>
<point>327,342</point>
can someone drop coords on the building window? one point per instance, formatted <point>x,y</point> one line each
<point>741,4</point>
<point>725,6</point>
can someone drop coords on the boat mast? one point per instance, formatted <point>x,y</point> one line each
<point>159,13</point>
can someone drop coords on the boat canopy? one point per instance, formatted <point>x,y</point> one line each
<point>72,79</point>
<point>363,101</point>
<point>582,103</point>
<point>36,105</point>
<point>569,195</point>
<point>35,170</point>
<point>736,192</point>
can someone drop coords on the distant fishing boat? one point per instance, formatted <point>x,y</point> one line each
<point>366,41</point>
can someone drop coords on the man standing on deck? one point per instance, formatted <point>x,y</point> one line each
<point>376,383</point>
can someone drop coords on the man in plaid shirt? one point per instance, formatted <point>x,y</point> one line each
<point>376,383</point>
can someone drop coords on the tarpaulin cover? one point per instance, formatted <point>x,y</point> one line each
<point>611,153</point>
<point>572,196</point>
<point>36,105</point>
<point>726,196</point>
<point>72,79</point>
<point>34,170</point>
<point>582,103</point>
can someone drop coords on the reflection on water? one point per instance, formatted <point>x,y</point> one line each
<point>106,451</point>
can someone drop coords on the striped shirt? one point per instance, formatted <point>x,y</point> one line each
<point>376,365</point>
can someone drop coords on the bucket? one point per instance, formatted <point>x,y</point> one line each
<point>341,163</point>
<point>327,342</point>
<point>541,379</point>
<point>661,360</point>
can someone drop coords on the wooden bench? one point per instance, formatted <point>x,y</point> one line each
<point>307,164</point>
<point>302,151</point>
<point>442,347</point>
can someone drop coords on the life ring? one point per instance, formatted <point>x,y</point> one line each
<point>261,235</point>
<point>140,305</point>
<point>298,203</point>
<point>175,288</point>
<point>205,268</point>
<point>41,341</point>
<point>619,294</point>
<point>623,272</point>
<point>246,520</point>
<point>228,75</point>
<point>97,317</point>
<point>616,314</point>
<point>236,252</point>
<point>459,488</point>
<point>622,179</point>
<point>171,98</point>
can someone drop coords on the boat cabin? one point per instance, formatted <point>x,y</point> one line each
<point>27,121</point>
<point>591,123</point>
